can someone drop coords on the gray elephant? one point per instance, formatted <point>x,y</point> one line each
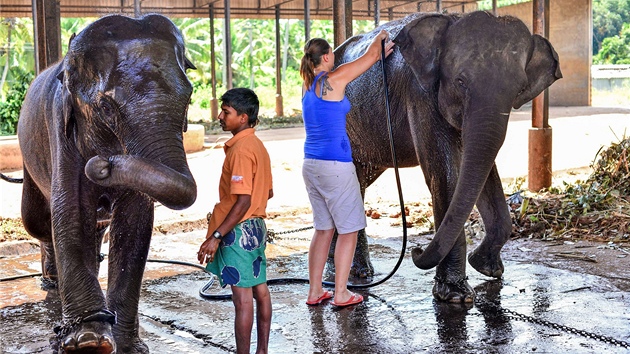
<point>453,80</point>
<point>101,134</point>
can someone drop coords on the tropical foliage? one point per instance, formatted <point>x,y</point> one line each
<point>609,17</point>
<point>615,49</point>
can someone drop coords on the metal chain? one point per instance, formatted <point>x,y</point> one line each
<point>272,235</point>
<point>526,318</point>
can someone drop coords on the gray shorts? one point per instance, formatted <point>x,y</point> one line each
<point>333,189</point>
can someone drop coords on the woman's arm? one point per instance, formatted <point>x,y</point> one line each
<point>347,72</point>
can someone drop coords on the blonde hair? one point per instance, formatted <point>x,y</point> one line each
<point>313,51</point>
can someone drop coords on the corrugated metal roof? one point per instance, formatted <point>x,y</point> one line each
<point>319,9</point>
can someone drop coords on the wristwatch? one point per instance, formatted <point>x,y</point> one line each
<point>216,234</point>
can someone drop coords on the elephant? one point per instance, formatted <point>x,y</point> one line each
<point>452,80</point>
<point>101,134</point>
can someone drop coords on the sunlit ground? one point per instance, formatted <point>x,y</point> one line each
<point>619,97</point>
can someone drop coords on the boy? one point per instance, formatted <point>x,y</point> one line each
<point>237,234</point>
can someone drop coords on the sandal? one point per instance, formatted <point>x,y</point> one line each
<point>354,300</point>
<point>327,295</point>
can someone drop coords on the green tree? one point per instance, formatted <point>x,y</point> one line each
<point>609,17</point>
<point>16,50</point>
<point>10,108</point>
<point>615,49</point>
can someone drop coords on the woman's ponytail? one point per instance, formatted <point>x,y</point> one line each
<point>313,51</point>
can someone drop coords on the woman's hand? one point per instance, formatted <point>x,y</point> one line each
<point>389,45</point>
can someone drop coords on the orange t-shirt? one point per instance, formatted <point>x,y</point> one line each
<point>246,170</point>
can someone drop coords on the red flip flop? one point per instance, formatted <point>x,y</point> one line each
<point>354,299</point>
<point>327,295</point>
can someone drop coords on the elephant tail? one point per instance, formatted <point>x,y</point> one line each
<point>12,180</point>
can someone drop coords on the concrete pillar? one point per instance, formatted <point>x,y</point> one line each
<point>540,135</point>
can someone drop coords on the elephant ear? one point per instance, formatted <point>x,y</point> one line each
<point>419,43</point>
<point>542,69</point>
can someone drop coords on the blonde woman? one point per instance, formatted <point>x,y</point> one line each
<point>328,171</point>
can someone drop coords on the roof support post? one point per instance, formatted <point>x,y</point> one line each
<point>137,12</point>
<point>214,105</point>
<point>279,104</point>
<point>47,33</point>
<point>377,13</point>
<point>540,134</point>
<point>228,46</point>
<point>339,26</point>
<point>307,20</point>
<point>348,19</point>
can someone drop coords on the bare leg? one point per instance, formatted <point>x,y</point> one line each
<point>344,253</point>
<point>263,317</point>
<point>243,300</point>
<point>317,255</point>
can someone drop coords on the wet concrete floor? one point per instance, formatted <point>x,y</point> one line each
<point>534,309</point>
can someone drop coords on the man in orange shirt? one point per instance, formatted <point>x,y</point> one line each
<point>235,243</point>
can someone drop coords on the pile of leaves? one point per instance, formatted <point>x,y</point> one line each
<point>596,209</point>
<point>11,229</point>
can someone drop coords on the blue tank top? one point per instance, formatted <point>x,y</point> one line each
<point>325,124</point>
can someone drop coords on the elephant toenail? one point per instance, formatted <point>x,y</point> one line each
<point>88,340</point>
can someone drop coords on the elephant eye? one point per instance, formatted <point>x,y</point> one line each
<point>461,83</point>
<point>106,107</point>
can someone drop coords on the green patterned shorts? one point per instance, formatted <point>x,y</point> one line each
<point>240,259</point>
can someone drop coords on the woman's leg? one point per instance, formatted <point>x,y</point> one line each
<point>317,256</point>
<point>243,300</point>
<point>263,317</point>
<point>344,253</point>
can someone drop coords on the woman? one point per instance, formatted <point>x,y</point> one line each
<point>328,171</point>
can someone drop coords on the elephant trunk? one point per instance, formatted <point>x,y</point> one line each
<point>482,138</point>
<point>174,189</point>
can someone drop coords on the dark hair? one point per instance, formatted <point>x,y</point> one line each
<point>243,100</point>
<point>313,51</point>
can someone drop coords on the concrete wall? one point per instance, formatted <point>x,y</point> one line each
<point>570,33</point>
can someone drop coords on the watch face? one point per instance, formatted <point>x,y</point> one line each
<point>216,234</point>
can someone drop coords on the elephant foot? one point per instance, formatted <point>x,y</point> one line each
<point>361,269</point>
<point>486,263</point>
<point>453,292</point>
<point>89,334</point>
<point>48,283</point>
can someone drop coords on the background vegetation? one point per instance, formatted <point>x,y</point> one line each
<point>253,45</point>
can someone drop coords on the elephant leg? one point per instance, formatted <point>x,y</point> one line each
<point>486,258</point>
<point>130,236</point>
<point>451,284</point>
<point>361,264</point>
<point>440,156</point>
<point>87,324</point>
<point>36,220</point>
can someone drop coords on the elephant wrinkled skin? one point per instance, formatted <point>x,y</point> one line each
<point>101,133</point>
<point>453,80</point>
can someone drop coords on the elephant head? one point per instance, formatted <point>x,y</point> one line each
<point>478,67</point>
<point>124,100</point>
